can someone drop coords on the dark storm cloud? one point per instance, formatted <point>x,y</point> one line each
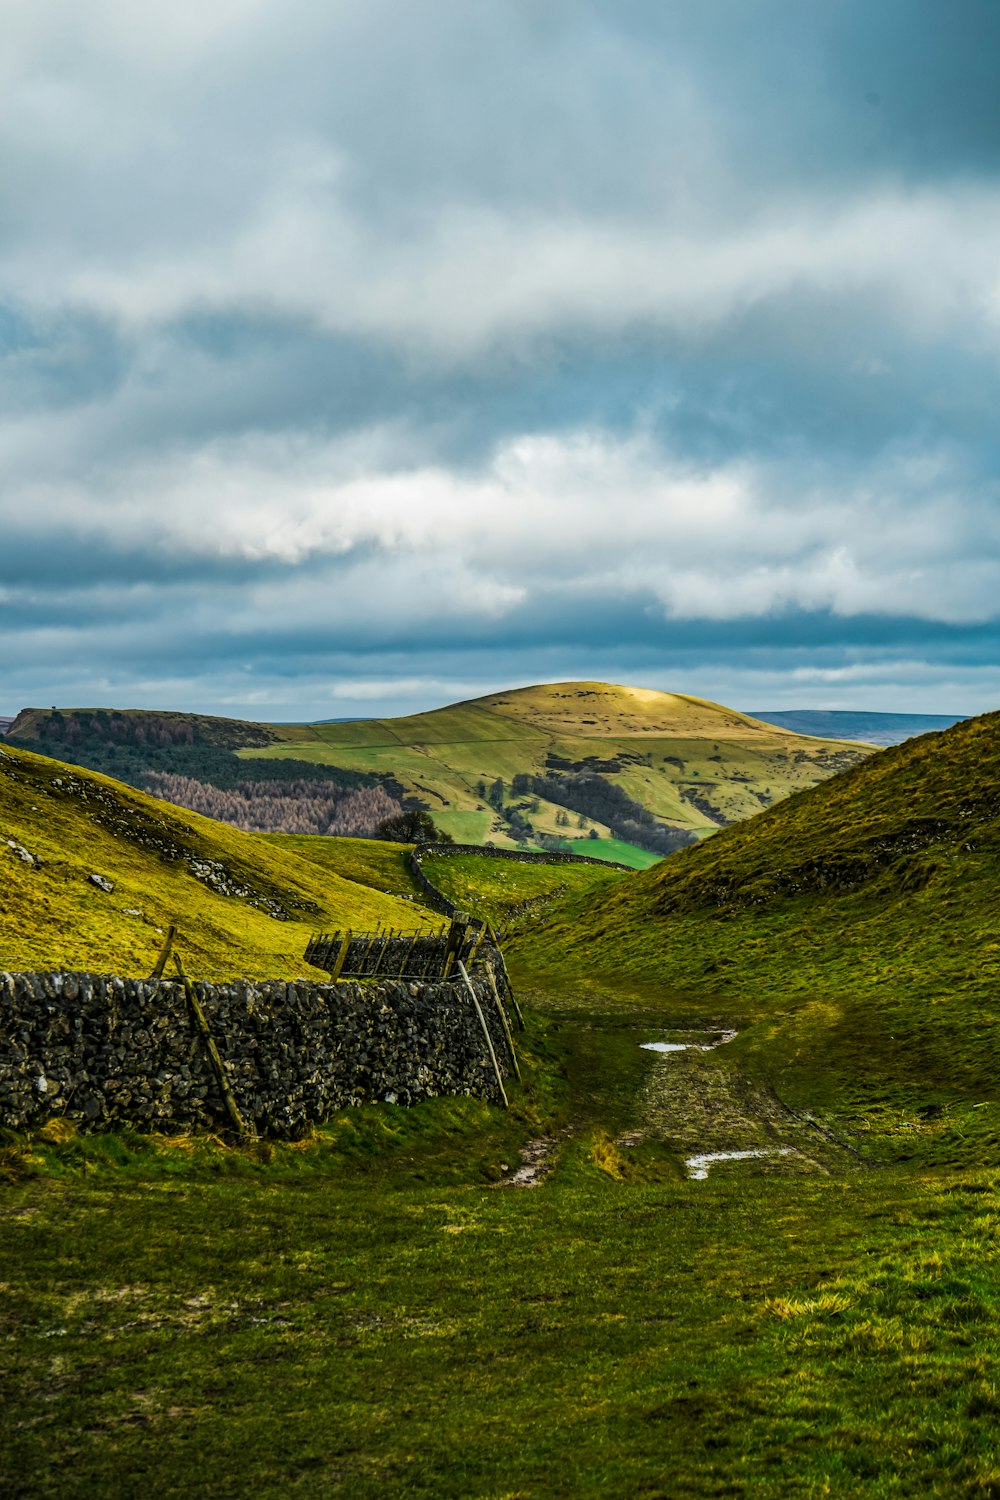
<point>402,350</point>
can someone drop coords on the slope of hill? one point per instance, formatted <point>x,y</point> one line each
<point>867,728</point>
<point>544,765</point>
<point>241,905</point>
<point>853,929</point>
<point>540,756</point>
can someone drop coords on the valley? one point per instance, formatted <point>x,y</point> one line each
<point>759,1080</point>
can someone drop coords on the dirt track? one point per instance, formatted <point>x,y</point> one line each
<point>698,1102</point>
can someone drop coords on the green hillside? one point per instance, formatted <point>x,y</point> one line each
<point>695,765</point>
<point>853,931</point>
<point>241,904</point>
<point>515,767</point>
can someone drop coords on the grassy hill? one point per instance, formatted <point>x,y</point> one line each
<point>694,765</point>
<point>242,905</point>
<point>853,931</point>
<point>520,766</point>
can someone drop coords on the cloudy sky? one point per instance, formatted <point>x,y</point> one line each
<point>360,357</point>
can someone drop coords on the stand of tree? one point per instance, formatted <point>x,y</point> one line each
<point>319,807</point>
<point>135,747</point>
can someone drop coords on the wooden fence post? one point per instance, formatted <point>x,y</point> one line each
<point>218,1066</point>
<point>486,1034</point>
<point>507,983</point>
<point>341,956</point>
<point>457,934</point>
<point>503,1017</point>
<point>161,962</point>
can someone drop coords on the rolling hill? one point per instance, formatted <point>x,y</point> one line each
<point>623,767</point>
<point>241,905</point>
<point>694,765</point>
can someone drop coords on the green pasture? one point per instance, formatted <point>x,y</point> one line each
<point>490,887</point>
<point>616,851</point>
<point>367,1313</point>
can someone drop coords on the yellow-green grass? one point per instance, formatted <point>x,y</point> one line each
<point>490,888</point>
<point>671,747</point>
<point>376,863</point>
<point>78,823</point>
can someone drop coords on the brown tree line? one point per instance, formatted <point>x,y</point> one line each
<point>282,806</point>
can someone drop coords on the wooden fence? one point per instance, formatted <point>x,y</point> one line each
<point>397,955</point>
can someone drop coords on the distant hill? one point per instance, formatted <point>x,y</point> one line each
<point>542,766</point>
<point>558,762</point>
<point>242,906</point>
<point>869,728</point>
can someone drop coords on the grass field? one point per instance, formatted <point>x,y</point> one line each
<point>491,888</point>
<point>616,851</point>
<point>374,863</point>
<point>366,1314</point>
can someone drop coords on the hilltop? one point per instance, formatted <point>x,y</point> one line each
<point>242,905</point>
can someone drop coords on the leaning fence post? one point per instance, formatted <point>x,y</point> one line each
<point>503,1017</point>
<point>506,980</point>
<point>218,1066</point>
<point>486,1034</point>
<point>341,956</point>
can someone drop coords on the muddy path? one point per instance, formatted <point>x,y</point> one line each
<point>700,1104</point>
<point>681,1088</point>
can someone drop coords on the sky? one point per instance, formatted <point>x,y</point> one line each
<point>360,358</point>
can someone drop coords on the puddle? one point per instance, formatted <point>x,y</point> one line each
<point>698,1165</point>
<point>727,1036</point>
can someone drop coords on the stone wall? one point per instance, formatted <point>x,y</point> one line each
<point>106,1052</point>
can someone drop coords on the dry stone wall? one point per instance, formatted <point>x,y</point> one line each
<point>107,1052</point>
